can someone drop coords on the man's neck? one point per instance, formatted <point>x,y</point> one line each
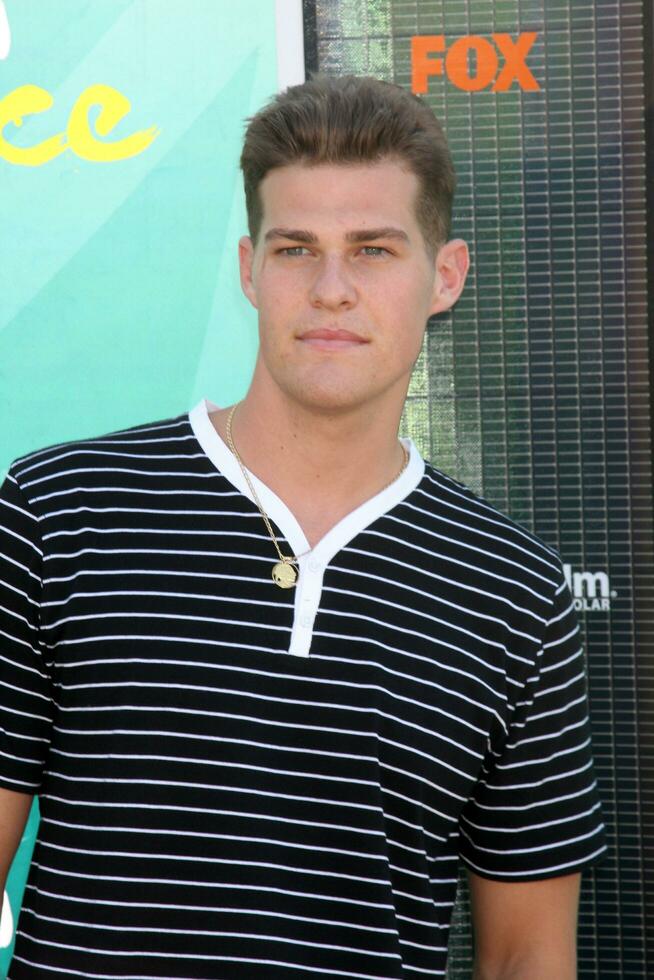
<point>322,466</point>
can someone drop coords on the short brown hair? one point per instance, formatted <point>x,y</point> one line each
<point>352,119</point>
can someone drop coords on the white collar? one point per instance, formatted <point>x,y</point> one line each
<point>342,532</point>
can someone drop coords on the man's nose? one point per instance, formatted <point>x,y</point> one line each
<point>333,286</point>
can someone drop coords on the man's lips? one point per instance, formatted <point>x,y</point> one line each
<point>325,339</point>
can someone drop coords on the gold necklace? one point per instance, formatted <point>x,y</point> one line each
<point>285,571</point>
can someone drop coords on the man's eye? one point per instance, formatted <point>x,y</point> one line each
<point>294,250</point>
<point>373,250</point>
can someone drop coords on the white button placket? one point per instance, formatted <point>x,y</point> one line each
<point>307,600</point>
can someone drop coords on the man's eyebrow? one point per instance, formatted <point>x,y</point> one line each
<point>370,234</point>
<point>294,234</point>
<point>356,237</point>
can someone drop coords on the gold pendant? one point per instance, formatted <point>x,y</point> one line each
<point>284,575</point>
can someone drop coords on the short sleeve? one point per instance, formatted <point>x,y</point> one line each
<point>26,706</point>
<point>535,812</point>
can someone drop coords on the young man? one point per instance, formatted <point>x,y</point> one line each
<point>271,674</point>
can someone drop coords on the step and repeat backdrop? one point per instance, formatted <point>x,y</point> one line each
<point>536,391</point>
<point>120,209</point>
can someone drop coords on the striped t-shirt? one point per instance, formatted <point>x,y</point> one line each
<point>240,781</point>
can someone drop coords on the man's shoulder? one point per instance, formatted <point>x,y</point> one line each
<point>480,525</point>
<point>81,460</point>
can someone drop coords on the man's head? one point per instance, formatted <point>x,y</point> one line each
<point>349,188</point>
<point>350,120</point>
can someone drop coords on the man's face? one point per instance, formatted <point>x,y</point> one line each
<point>343,283</point>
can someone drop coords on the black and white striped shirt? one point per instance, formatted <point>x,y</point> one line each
<point>238,781</point>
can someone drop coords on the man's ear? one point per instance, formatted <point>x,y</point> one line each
<point>246,263</point>
<point>452,263</point>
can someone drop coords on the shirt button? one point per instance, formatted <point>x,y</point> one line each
<point>305,621</point>
<point>313,566</point>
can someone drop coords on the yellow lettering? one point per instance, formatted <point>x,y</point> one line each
<point>113,107</point>
<point>28,100</point>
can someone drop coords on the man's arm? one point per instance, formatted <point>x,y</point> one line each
<point>14,811</point>
<point>525,930</point>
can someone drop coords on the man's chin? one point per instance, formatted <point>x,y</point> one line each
<point>327,399</point>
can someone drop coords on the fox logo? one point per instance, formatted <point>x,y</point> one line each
<point>454,61</point>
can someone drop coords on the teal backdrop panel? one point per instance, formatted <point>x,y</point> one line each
<point>120,211</point>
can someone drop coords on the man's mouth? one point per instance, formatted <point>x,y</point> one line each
<point>323,338</point>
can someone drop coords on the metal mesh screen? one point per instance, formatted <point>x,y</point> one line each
<point>535,390</point>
